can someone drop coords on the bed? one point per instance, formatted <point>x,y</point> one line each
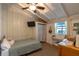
<point>23,47</point>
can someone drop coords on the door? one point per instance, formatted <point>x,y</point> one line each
<point>41,32</point>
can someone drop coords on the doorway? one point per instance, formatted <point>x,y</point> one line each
<point>41,32</point>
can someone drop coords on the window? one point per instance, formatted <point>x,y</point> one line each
<point>61,28</point>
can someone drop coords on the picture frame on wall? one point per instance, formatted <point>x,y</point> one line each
<point>77,32</point>
<point>76,28</point>
<point>76,24</point>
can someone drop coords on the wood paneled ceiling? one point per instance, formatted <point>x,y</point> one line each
<point>57,10</point>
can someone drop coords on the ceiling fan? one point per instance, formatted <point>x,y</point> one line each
<point>32,6</point>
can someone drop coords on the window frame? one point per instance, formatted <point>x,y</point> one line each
<point>65,28</point>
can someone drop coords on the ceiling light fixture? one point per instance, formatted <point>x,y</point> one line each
<point>32,7</point>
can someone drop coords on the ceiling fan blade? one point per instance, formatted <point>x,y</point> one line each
<point>40,7</point>
<point>27,3</point>
<point>25,8</point>
<point>36,3</point>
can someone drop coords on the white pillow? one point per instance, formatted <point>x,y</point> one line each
<point>65,41</point>
<point>11,42</point>
<point>5,44</point>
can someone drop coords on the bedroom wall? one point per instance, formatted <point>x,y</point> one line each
<point>0,21</point>
<point>49,35</point>
<point>15,23</point>
<point>73,19</point>
<point>70,21</point>
<point>51,24</point>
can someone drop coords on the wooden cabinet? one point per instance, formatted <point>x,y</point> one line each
<point>69,51</point>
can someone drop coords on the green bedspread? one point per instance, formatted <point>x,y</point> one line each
<point>24,46</point>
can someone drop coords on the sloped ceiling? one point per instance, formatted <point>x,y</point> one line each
<point>57,10</point>
<point>53,11</point>
<point>71,8</point>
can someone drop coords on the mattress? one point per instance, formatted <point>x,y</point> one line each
<point>23,47</point>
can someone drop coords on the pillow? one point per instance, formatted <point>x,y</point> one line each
<point>66,42</point>
<point>5,44</point>
<point>11,42</point>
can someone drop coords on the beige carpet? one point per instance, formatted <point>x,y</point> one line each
<point>47,50</point>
